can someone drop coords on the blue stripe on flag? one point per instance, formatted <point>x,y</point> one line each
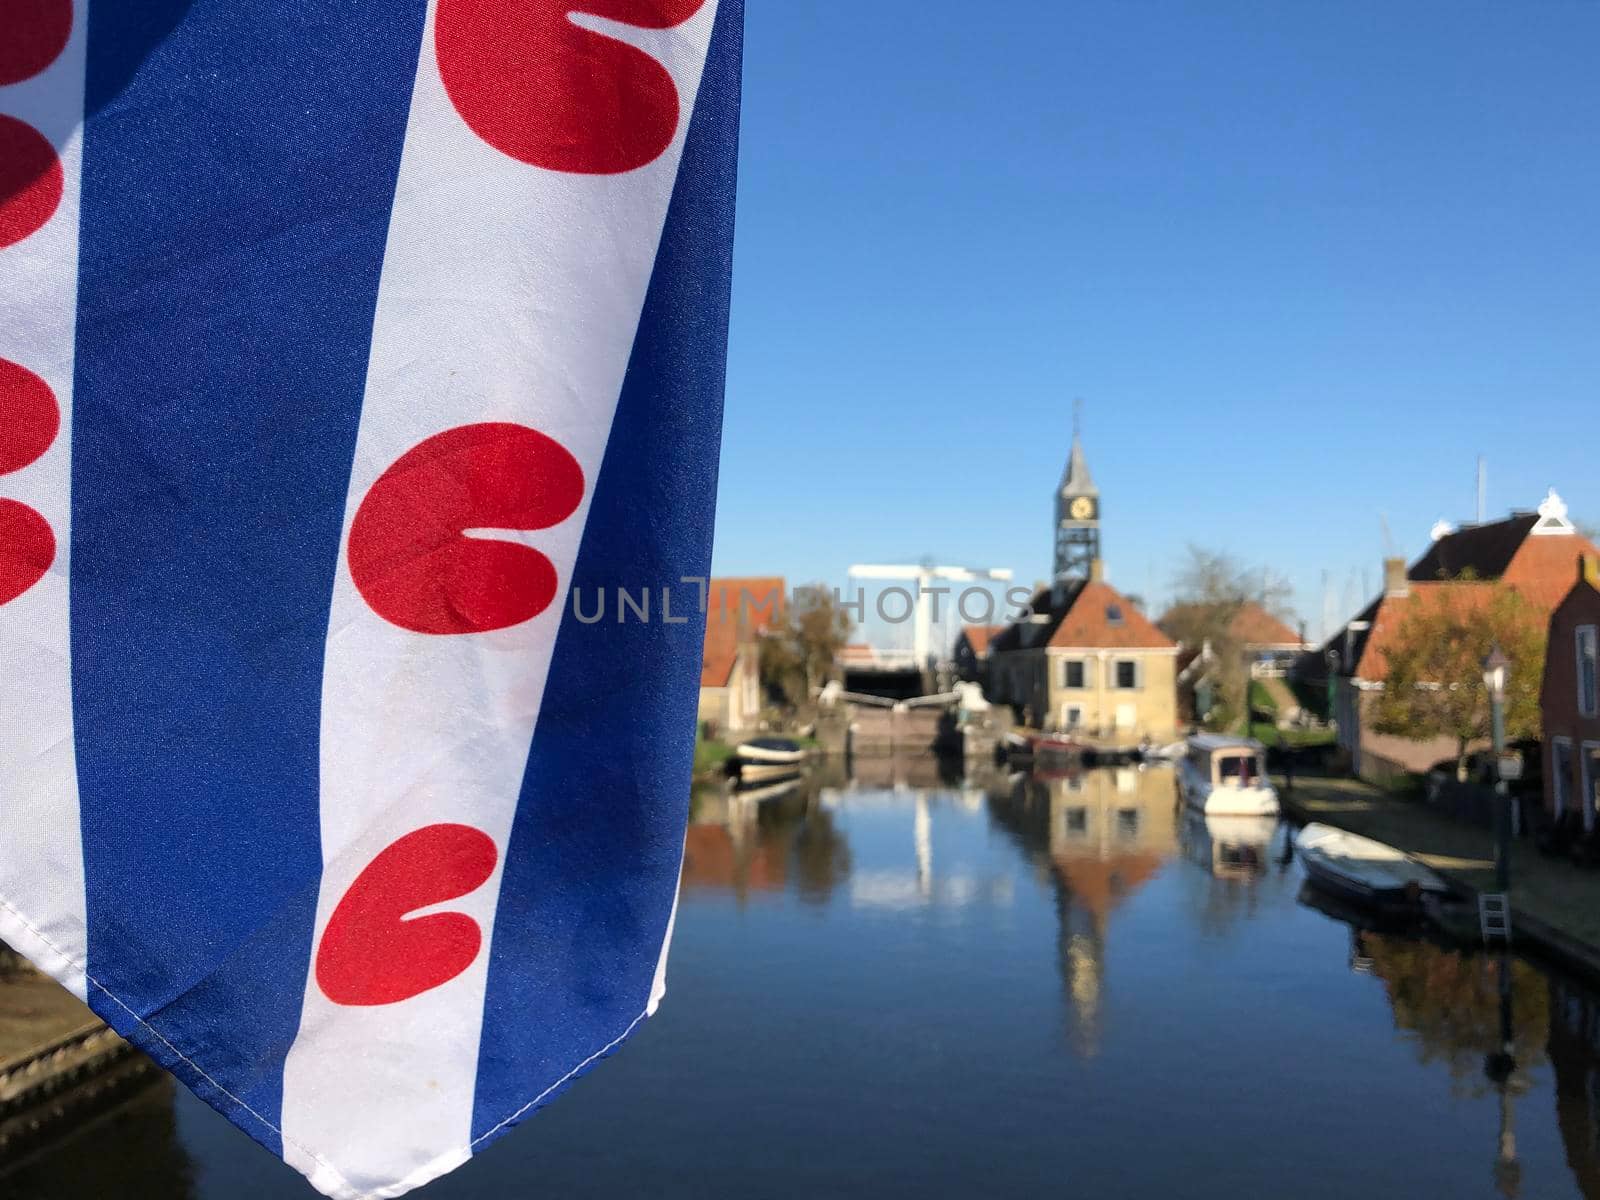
<point>239,168</point>
<point>595,849</point>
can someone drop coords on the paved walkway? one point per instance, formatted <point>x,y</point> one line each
<point>1553,902</point>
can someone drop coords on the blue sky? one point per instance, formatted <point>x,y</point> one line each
<point>1302,261</point>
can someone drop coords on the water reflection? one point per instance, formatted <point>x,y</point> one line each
<point>110,1136</point>
<point>1574,1049</point>
<point>1101,836</point>
<point>1065,976</point>
<point>766,839</point>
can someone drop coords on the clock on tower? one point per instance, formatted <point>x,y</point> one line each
<point>1077,518</point>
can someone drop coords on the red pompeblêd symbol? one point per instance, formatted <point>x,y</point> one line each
<point>32,35</point>
<point>550,93</point>
<point>27,548</point>
<point>31,180</point>
<point>29,418</point>
<point>370,954</point>
<point>409,555</point>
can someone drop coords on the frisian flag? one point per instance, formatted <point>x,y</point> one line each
<point>340,344</point>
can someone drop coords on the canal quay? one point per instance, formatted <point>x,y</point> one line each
<point>896,977</point>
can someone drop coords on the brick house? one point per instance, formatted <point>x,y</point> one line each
<point>1570,700</point>
<point>1087,660</point>
<point>738,613</point>
<point>1529,553</point>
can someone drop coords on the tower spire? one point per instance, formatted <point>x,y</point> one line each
<point>1077,533</point>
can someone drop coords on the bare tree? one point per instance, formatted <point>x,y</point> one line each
<point>1210,589</point>
<point>798,653</point>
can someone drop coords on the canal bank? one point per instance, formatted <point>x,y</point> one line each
<point>1555,904</point>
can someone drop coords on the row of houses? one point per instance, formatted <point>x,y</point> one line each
<point>1534,554</point>
<point>1085,657</point>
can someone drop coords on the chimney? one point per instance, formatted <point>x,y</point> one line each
<point>1395,582</point>
<point>1097,571</point>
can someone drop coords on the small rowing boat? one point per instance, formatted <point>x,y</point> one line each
<point>1367,872</point>
<point>770,751</point>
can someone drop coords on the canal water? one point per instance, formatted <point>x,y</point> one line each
<point>903,984</point>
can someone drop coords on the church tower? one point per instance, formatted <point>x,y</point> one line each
<point>1077,517</point>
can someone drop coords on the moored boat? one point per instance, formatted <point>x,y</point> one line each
<point>1365,871</point>
<point>770,751</point>
<point>1226,777</point>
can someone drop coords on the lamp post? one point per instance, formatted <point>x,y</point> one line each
<point>1496,670</point>
<point>1332,659</point>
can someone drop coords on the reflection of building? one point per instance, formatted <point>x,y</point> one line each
<point>1574,1050</point>
<point>747,846</point>
<point>1103,834</point>
<point>714,859</point>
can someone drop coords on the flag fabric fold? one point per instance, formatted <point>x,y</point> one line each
<point>338,348</point>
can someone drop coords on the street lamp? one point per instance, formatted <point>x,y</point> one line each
<point>1332,659</point>
<point>1496,670</point>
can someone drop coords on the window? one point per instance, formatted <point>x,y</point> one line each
<point>1588,694</point>
<point>1114,614</point>
<point>1127,823</point>
<point>1074,717</point>
<point>1240,769</point>
<point>1072,674</point>
<point>1125,674</point>
<point>1591,782</point>
<point>1077,822</point>
<point>1561,772</point>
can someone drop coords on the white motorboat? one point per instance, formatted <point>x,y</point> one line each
<point>1368,872</point>
<point>1226,777</point>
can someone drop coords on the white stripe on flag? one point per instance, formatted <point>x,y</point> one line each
<point>510,293</point>
<point>41,847</point>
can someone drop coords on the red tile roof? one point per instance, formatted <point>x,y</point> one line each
<point>1543,569</point>
<point>1082,620</point>
<point>1373,665</point>
<point>1089,623</point>
<point>1506,553</point>
<point>737,611</point>
<point>1252,625</point>
<point>978,636</point>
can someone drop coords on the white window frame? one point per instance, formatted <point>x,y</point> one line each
<point>1588,655</point>
<point>1138,675</point>
<point>1587,780</point>
<point>1563,779</point>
